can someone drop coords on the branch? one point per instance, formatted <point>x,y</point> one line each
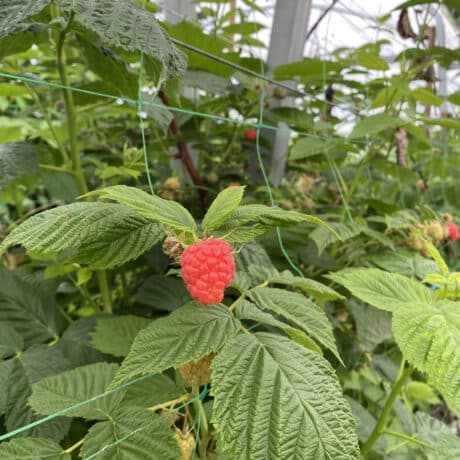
<point>183,154</point>
<point>318,21</point>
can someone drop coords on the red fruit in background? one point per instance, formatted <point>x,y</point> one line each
<point>454,233</point>
<point>250,134</point>
<point>422,185</point>
<point>207,269</point>
<point>233,184</point>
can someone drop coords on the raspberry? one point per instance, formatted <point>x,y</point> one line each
<point>453,231</point>
<point>207,269</point>
<point>250,134</point>
<point>172,183</point>
<point>435,231</point>
<point>186,444</point>
<point>197,372</point>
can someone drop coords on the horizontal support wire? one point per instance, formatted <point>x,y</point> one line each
<point>74,406</point>
<point>143,102</point>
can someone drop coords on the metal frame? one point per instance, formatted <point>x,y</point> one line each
<point>287,44</point>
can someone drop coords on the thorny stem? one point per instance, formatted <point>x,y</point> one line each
<point>72,131</point>
<point>183,154</point>
<point>380,425</point>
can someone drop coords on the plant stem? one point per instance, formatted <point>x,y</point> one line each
<point>184,156</point>
<point>72,131</point>
<point>104,290</point>
<point>204,429</point>
<point>71,114</point>
<point>49,122</point>
<point>173,402</point>
<point>407,438</point>
<point>75,446</point>
<point>380,425</point>
<point>235,303</point>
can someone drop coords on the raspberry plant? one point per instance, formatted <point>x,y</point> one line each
<point>196,323</point>
<point>251,374</point>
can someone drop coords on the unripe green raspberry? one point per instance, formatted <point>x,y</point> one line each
<point>172,183</point>
<point>186,444</point>
<point>435,231</point>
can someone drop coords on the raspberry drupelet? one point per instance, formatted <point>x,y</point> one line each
<point>453,231</point>
<point>207,269</point>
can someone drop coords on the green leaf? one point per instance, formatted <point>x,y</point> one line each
<point>275,399</point>
<point>429,337</point>
<point>307,147</point>
<point>387,291</point>
<point>32,449</point>
<point>444,122</point>
<point>450,3</point>
<point>28,308</point>
<point>62,391</point>
<point>243,28</point>
<point>152,207</point>
<point>12,13</point>
<point>34,364</point>
<point>133,433</point>
<point>422,392</point>
<point>243,234</point>
<point>151,390</point>
<point>365,423</point>
<point>266,217</point>
<point>17,159</point>
<point>103,62</point>
<point>427,96</point>
<point>247,310</point>
<point>166,293</point>
<point>20,38</point>
<point>6,367</point>
<point>119,22</point>
<point>114,336</point>
<point>187,334</point>
<point>373,326</point>
<point>373,125</point>
<point>102,235</point>
<point>193,35</point>
<point>300,311</point>
<point>447,447</point>
<point>318,290</point>
<point>455,97</point>
<point>74,343</point>
<point>224,204</point>
<point>342,232</point>
<point>308,69</point>
<point>436,256</point>
<point>404,262</point>
<point>371,61</point>
<point>10,341</point>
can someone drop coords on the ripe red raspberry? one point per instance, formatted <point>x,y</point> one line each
<point>453,231</point>
<point>207,269</point>
<point>250,134</point>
